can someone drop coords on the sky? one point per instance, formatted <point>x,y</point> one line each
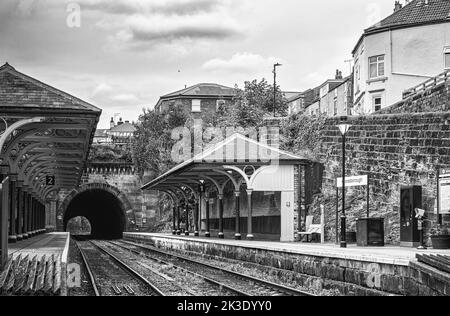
<point>122,55</point>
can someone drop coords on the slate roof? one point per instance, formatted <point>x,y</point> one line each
<point>237,148</point>
<point>20,90</point>
<point>416,12</point>
<point>292,96</point>
<point>203,89</point>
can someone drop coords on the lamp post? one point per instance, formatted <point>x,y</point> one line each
<point>343,128</point>
<point>275,87</point>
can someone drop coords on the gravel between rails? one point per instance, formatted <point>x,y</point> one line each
<point>85,288</point>
<point>109,274</point>
<point>242,284</point>
<point>169,278</point>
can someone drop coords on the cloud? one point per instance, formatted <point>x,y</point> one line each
<point>166,7</point>
<point>126,97</point>
<point>102,89</point>
<point>139,32</point>
<point>240,62</point>
<point>140,24</point>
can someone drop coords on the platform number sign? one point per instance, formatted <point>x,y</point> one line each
<point>50,180</point>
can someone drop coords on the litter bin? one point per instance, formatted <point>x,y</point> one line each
<point>370,232</point>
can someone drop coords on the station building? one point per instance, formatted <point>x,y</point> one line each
<point>241,188</point>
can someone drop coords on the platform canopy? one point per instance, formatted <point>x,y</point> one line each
<point>237,159</point>
<point>45,133</point>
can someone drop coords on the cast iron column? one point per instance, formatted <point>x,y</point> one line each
<point>3,219</point>
<point>221,234</point>
<point>12,208</point>
<point>250,215</point>
<point>174,220</point>
<point>31,231</point>
<point>196,211</point>
<point>25,212</point>
<point>186,233</point>
<point>207,233</point>
<point>179,220</point>
<point>237,210</point>
<point>33,216</point>
<point>19,210</point>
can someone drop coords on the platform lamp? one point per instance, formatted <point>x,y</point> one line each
<point>275,87</point>
<point>343,128</point>
<point>202,191</point>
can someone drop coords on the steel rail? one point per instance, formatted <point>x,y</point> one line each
<point>267,284</point>
<point>128,269</point>
<point>86,263</point>
<point>209,280</point>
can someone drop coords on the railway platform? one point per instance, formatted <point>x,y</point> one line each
<point>36,266</point>
<point>355,270</point>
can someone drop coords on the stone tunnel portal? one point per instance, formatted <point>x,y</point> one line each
<point>104,211</point>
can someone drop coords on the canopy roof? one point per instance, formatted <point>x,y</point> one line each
<point>43,132</point>
<point>233,159</point>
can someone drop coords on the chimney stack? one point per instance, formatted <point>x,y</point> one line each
<point>398,6</point>
<point>338,74</point>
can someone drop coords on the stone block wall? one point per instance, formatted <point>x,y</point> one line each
<point>360,277</point>
<point>144,203</point>
<point>395,150</point>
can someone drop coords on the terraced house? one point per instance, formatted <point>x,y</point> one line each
<point>401,51</point>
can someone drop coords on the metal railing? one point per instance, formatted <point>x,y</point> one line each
<point>433,82</point>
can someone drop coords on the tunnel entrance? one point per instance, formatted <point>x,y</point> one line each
<point>103,209</point>
<point>79,226</point>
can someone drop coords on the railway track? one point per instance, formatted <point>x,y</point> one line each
<point>110,276</point>
<point>241,284</point>
<point>172,280</point>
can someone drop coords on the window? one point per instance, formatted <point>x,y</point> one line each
<point>377,104</point>
<point>196,106</point>
<point>376,66</point>
<point>447,58</point>
<point>219,104</point>
<point>335,107</point>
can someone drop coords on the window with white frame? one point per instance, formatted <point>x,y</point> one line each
<point>377,103</point>
<point>376,66</point>
<point>196,106</point>
<point>447,58</point>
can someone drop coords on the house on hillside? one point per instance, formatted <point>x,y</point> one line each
<point>332,98</point>
<point>198,99</point>
<point>120,133</point>
<point>401,51</point>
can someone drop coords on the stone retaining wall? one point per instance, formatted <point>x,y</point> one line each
<point>348,276</point>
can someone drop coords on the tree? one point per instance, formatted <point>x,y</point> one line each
<point>152,142</point>
<point>251,105</point>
